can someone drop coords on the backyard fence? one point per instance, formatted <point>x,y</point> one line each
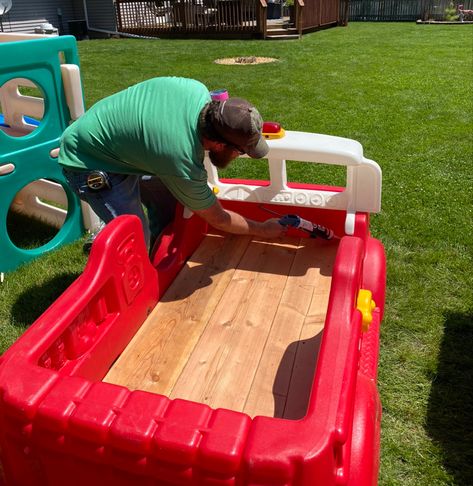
<point>399,10</point>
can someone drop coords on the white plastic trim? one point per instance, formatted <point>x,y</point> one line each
<point>19,36</point>
<point>54,153</point>
<point>363,186</point>
<point>91,221</point>
<point>73,89</point>
<point>187,213</point>
<point>6,169</point>
<point>29,201</point>
<point>350,223</point>
<point>15,105</point>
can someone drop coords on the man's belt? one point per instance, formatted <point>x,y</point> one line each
<point>98,180</point>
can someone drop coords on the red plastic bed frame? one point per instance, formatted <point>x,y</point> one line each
<point>60,424</point>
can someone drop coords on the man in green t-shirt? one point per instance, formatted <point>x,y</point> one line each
<point>161,127</point>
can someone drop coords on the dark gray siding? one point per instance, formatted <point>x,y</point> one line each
<point>101,14</point>
<point>26,15</point>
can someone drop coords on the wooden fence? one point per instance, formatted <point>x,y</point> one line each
<point>400,10</point>
<point>318,13</point>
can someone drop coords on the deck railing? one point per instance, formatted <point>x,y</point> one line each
<point>161,17</point>
<point>298,5</point>
<point>315,14</point>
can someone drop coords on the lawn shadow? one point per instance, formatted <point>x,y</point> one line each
<point>29,233</point>
<point>450,409</point>
<point>35,299</point>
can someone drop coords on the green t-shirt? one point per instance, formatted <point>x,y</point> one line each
<point>150,128</point>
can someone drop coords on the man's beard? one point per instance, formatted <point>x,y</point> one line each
<point>222,158</point>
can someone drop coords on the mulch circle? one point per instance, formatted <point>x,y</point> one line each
<point>245,60</point>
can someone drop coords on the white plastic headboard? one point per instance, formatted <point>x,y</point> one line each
<point>363,187</point>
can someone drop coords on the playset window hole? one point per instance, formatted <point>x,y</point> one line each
<point>320,174</point>
<point>298,172</point>
<point>254,169</point>
<point>36,214</point>
<point>21,107</point>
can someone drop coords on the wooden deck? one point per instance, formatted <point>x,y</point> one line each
<point>239,328</point>
<point>220,18</point>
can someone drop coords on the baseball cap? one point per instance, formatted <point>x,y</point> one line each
<point>238,122</point>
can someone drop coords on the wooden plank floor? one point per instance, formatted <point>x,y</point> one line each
<point>239,328</point>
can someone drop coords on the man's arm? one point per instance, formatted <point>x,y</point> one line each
<point>232,222</point>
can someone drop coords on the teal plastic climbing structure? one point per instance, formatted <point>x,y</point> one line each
<point>31,125</point>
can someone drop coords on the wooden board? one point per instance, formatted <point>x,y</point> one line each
<point>160,349</point>
<point>15,132</point>
<point>239,327</point>
<point>283,379</point>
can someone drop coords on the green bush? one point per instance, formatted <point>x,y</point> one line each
<point>450,13</point>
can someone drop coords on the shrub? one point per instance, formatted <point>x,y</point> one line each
<point>450,13</point>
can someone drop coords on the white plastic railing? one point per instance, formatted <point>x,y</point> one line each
<point>363,182</point>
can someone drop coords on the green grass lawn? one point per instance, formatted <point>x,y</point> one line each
<point>405,92</point>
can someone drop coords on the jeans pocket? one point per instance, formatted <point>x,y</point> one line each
<point>116,179</point>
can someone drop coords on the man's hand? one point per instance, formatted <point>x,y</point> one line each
<point>272,228</point>
<point>232,222</point>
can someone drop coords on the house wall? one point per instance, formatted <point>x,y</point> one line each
<point>25,15</point>
<point>101,14</point>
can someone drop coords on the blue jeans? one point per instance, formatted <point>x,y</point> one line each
<point>125,196</point>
